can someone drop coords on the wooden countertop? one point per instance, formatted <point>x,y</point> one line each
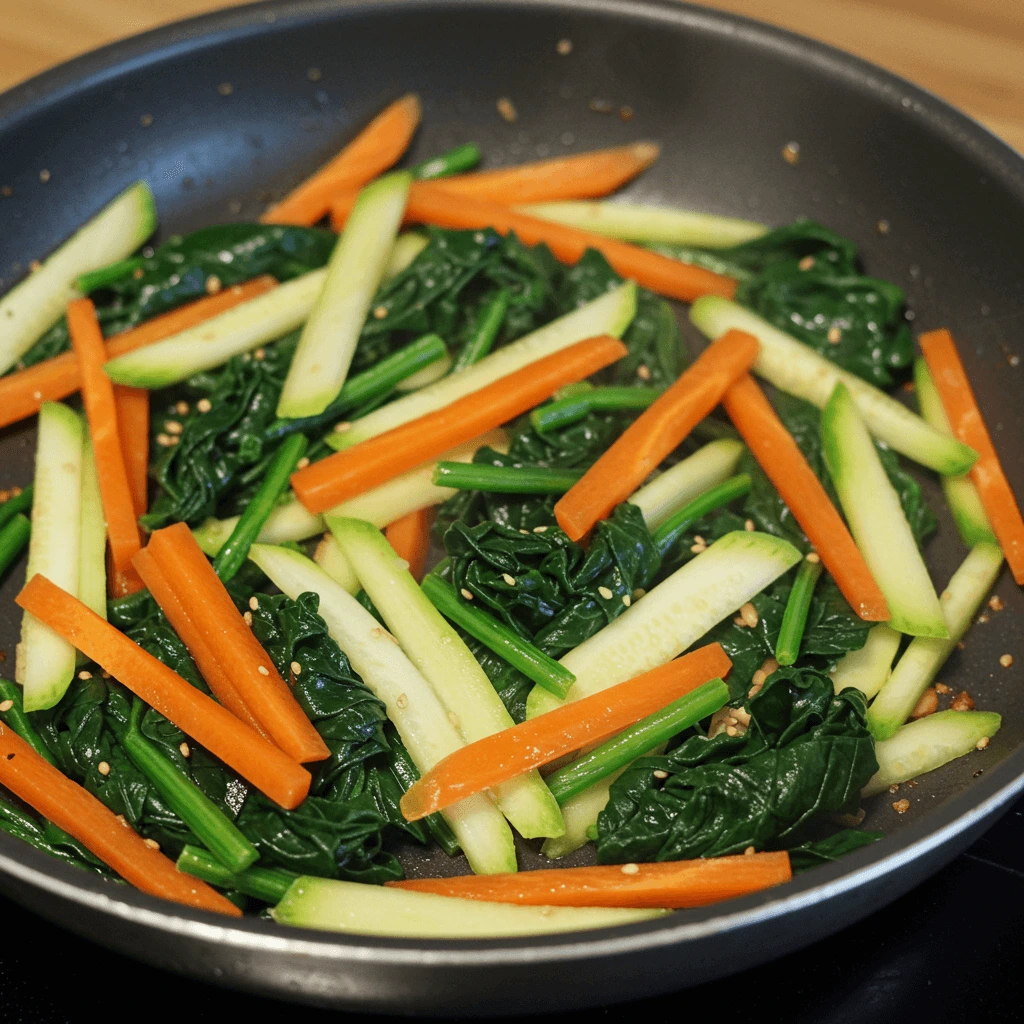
<point>971,52</point>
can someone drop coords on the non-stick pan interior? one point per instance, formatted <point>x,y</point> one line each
<point>222,114</point>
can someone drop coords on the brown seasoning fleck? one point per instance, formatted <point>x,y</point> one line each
<point>962,702</point>
<point>901,806</point>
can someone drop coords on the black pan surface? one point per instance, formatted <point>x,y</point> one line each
<point>222,113</point>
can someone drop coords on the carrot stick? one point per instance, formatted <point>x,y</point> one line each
<point>231,643</point>
<point>133,428</point>
<point>379,145</point>
<point>261,763</point>
<point>582,176</point>
<point>74,809</point>
<point>410,537</point>
<point>372,462</point>
<point>22,393</point>
<point>784,464</point>
<point>430,203</point>
<point>222,687</point>
<point>101,411</point>
<point>504,755</point>
<point>658,430</point>
<point>121,583</point>
<point>965,418</point>
<point>672,884</point>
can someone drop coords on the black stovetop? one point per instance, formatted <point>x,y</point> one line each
<point>949,951</point>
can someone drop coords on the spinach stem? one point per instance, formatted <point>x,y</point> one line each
<point>267,884</point>
<point>635,741</point>
<point>473,476</point>
<point>186,799</point>
<point>570,409</point>
<point>13,538</point>
<point>370,385</point>
<point>12,506</point>
<point>794,619</point>
<point>486,331</point>
<point>233,554</point>
<point>102,276</point>
<point>453,161</point>
<point>504,641</point>
<point>666,535</point>
<point>16,718</point>
<point>405,771</point>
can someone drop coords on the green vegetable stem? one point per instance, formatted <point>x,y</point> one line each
<point>102,276</point>
<point>12,506</point>
<point>635,741</point>
<point>454,161</point>
<point>666,535</point>
<point>233,554</point>
<point>794,620</point>
<point>570,409</point>
<point>482,339</point>
<point>474,476</point>
<point>504,641</point>
<point>13,538</point>
<point>16,719</point>
<point>194,808</point>
<point>267,884</point>
<point>405,771</point>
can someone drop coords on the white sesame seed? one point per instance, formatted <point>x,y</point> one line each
<point>263,670</point>
<point>1006,660</point>
<point>204,405</point>
<point>83,675</point>
<point>660,773</point>
<point>253,603</point>
<point>749,851</point>
<point>7,705</point>
<point>152,844</point>
<point>631,869</point>
<point>181,408</point>
<point>605,593</point>
<point>982,743</point>
<point>813,557</point>
<point>643,372</point>
<point>627,600</point>
<point>103,768</point>
<point>380,312</point>
<point>213,285</point>
<point>340,428</point>
<point>247,617</point>
<point>540,529</point>
<point>302,463</point>
<point>564,47</point>
<point>183,747</point>
<point>748,613</point>
<point>402,700</point>
<point>507,110</point>
<point>173,427</point>
<point>466,594</point>
<point>834,336</point>
<point>749,526</point>
<point>296,668</point>
<point>165,440</point>
<point>510,580</point>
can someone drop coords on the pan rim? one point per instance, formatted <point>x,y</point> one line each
<point>913,842</point>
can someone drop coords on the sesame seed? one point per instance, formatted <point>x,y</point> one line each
<point>183,747</point>
<point>982,618</point>
<point>982,743</point>
<point>731,730</point>
<point>377,632</point>
<point>806,263</point>
<point>1006,660</point>
<point>7,190</point>
<point>698,548</point>
<point>605,593</point>
<point>510,580</point>
<point>247,617</point>
<point>894,788</point>
<point>302,463</point>
<point>813,557</point>
<point>121,818</point>
<point>313,74</point>
<point>379,312</point>
<point>631,869</point>
<point>882,227</point>
<point>791,153</point>
<point>540,529</point>
<point>263,670</point>
<point>507,110</point>
<point>259,354</point>
<point>340,428</point>
<point>627,600</point>
<point>834,336</point>
<point>152,844</point>
<point>942,688</point>
<point>563,47</point>
<point>660,773</point>
<point>173,427</point>
<point>181,408</point>
<point>625,113</point>
<point>103,768</point>
<point>7,705</point>
<point>213,284</point>
<point>44,176</point>
<point>749,851</point>
<point>83,675</point>
<point>105,674</point>
<point>995,602</point>
<point>526,532</point>
<point>164,440</point>
<point>254,603</point>
<point>225,88</point>
<point>748,613</point>
<point>643,372</point>
<point>749,526</point>
<point>34,266</point>
<point>204,405</point>
<point>963,701</point>
<point>466,594</point>
<point>901,806</point>
<point>296,668</point>
<point>146,120</point>
<point>698,539</point>
<point>402,700</point>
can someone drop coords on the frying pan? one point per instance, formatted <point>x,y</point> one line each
<point>224,111</point>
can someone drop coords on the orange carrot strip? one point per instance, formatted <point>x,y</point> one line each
<point>222,687</point>
<point>209,607</point>
<point>410,537</point>
<point>503,755</point>
<point>659,430</point>
<point>784,464</point>
<point>124,582</point>
<point>430,203</point>
<point>133,428</point>
<point>582,176</point>
<point>380,144</point>
<point>22,393</point>
<point>965,418</point>
<point>372,462</point>
<point>261,763</point>
<point>98,829</point>
<point>671,884</point>
<point>101,411</point>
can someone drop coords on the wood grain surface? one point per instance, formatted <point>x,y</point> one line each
<point>971,52</point>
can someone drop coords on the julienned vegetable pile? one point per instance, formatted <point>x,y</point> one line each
<point>675,616</point>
